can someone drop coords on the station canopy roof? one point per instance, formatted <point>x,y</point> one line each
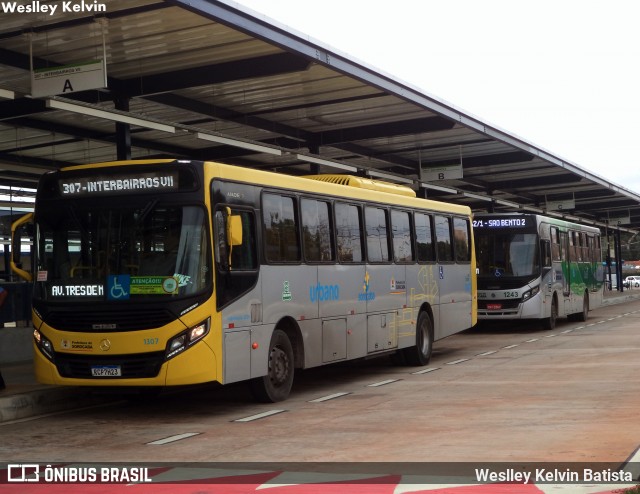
<point>228,84</point>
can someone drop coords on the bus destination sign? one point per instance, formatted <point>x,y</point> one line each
<point>511,222</point>
<point>118,184</point>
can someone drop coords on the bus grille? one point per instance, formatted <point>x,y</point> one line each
<point>491,283</point>
<point>133,366</point>
<point>505,304</point>
<point>106,321</point>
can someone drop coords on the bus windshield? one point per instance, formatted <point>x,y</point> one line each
<point>138,250</point>
<point>508,255</point>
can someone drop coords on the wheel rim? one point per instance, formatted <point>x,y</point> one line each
<point>279,366</point>
<point>424,338</point>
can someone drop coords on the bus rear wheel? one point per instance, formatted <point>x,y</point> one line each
<point>584,314</point>
<point>421,353</point>
<point>276,385</point>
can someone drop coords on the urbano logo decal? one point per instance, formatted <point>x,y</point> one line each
<point>324,293</point>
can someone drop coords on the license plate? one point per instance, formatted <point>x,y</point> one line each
<point>106,371</point>
<point>494,306</point>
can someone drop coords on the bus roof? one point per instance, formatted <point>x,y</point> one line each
<point>349,187</point>
<point>346,186</point>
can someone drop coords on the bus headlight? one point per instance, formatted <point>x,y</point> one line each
<point>184,340</point>
<point>45,346</point>
<point>530,293</point>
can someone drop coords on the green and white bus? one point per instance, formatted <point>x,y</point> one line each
<point>536,267</point>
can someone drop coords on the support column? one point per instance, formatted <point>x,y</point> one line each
<point>123,131</point>
<point>618,247</point>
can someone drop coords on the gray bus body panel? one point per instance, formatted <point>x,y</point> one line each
<point>343,312</point>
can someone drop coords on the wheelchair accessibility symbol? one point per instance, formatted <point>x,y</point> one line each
<point>118,287</point>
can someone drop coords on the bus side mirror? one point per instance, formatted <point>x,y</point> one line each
<point>234,233</point>
<point>228,233</point>
<point>18,229</point>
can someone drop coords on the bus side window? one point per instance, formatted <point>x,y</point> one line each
<point>348,232</point>
<point>443,238</point>
<point>316,231</point>
<point>555,244</point>
<point>377,234</point>
<point>243,256</point>
<point>281,229</point>
<point>545,249</point>
<point>424,238</point>
<point>462,245</point>
<point>574,242</point>
<point>401,231</point>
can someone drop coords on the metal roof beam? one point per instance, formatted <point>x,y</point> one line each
<point>81,21</point>
<point>250,68</point>
<point>21,107</point>
<point>94,135</point>
<point>221,113</point>
<point>534,182</point>
<point>387,129</point>
<point>32,161</point>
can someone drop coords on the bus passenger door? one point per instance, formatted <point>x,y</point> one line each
<point>565,257</point>
<point>454,275</point>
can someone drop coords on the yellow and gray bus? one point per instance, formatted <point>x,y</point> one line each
<point>538,267</point>
<point>172,272</point>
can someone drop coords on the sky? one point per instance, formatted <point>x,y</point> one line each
<point>563,75</point>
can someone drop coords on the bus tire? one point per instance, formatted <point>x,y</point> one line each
<point>276,385</point>
<point>421,353</point>
<point>582,316</point>
<point>550,322</point>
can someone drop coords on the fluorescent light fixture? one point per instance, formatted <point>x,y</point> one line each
<point>109,115</point>
<point>476,196</point>
<point>390,177</point>
<point>6,94</point>
<point>507,203</point>
<point>438,188</point>
<point>24,207</point>
<point>239,144</point>
<point>320,161</point>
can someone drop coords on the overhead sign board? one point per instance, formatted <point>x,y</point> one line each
<point>514,222</point>
<point>561,205</point>
<point>620,220</point>
<point>118,184</point>
<point>434,174</point>
<point>67,79</point>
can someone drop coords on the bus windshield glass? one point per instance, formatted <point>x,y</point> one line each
<point>508,255</point>
<point>139,250</point>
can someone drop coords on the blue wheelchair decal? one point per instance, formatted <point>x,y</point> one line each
<point>118,287</point>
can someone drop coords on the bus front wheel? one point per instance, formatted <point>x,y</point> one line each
<point>276,385</point>
<point>550,322</point>
<point>421,353</point>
